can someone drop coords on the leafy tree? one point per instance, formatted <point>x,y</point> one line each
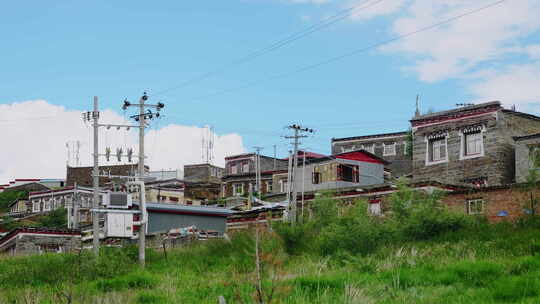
<point>7,197</point>
<point>55,219</point>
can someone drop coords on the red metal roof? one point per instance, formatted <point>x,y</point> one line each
<point>311,155</point>
<point>361,156</point>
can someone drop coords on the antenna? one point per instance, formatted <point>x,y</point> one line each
<point>417,112</point>
<point>207,147</point>
<point>68,162</point>
<point>77,158</point>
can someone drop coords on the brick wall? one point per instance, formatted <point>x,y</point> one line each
<point>512,200</point>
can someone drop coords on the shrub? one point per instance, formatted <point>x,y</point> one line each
<point>512,289</point>
<point>146,297</point>
<point>478,273</point>
<point>137,280</point>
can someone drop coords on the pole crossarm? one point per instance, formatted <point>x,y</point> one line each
<point>117,126</point>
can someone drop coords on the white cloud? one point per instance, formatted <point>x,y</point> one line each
<point>35,135</point>
<point>371,9</point>
<point>516,84</point>
<point>458,47</point>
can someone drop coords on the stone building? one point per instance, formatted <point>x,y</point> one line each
<point>205,173</point>
<point>83,175</point>
<point>240,174</point>
<point>527,156</point>
<point>392,147</point>
<point>27,241</point>
<point>76,200</point>
<point>181,192</point>
<point>469,145</point>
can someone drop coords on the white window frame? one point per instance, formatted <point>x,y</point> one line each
<point>375,208</point>
<point>245,167</point>
<point>476,200</point>
<point>463,143</point>
<point>391,145</point>
<point>235,187</point>
<point>441,161</point>
<point>269,186</point>
<point>47,205</point>
<point>38,204</point>
<point>369,147</point>
<point>283,185</point>
<point>234,169</point>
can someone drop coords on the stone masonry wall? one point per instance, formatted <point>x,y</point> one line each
<point>30,243</point>
<point>497,165</point>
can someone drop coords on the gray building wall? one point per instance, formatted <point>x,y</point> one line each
<point>400,163</point>
<point>203,173</point>
<point>163,222</point>
<point>524,162</point>
<point>497,165</point>
<point>370,174</point>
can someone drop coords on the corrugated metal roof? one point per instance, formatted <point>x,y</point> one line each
<point>187,209</point>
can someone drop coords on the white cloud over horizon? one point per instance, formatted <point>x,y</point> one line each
<point>35,134</point>
<point>479,50</point>
<point>490,52</point>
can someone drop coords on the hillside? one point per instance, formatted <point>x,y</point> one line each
<point>420,254</point>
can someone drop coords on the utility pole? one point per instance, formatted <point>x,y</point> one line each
<point>297,130</point>
<point>95,203</point>
<point>258,170</point>
<point>141,118</point>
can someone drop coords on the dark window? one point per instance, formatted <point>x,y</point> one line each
<point>347,173</point>
<point>316,178</point>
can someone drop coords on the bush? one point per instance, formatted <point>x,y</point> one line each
<point>513,289</point>
<point>146,297</point>
<point>479,273</point>
<point>136,280</point>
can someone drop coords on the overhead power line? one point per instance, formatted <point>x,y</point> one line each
<point>326,22</point>
<point>349,54</point>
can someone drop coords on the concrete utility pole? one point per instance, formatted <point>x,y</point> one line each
<point>142,117</point>
<point>95,203</point>
<point>292,204</point>
<point>142,231</point>
<point>258,170</point>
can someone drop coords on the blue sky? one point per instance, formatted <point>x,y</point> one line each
<point>65,52</point>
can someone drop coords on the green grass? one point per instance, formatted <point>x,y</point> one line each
<point>452,268</point>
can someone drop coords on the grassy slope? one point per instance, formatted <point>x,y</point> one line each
<point>498,266</point>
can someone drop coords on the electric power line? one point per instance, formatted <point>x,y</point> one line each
<point>326,22</point>
<point>349,54</point>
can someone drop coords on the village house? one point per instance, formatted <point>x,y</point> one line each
<point>82,176</point>
<point>203,173</point>
<point>26,184</point>
<point>26,241</point>
<point>181,192</point>
<point>469,145</point>
<point>18,208</point>
<point>76,200</point>
<point>240,174</point>
<point>392,147</point>
<point>349,169</point>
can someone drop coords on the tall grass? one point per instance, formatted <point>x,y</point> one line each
<point>421,253</point>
